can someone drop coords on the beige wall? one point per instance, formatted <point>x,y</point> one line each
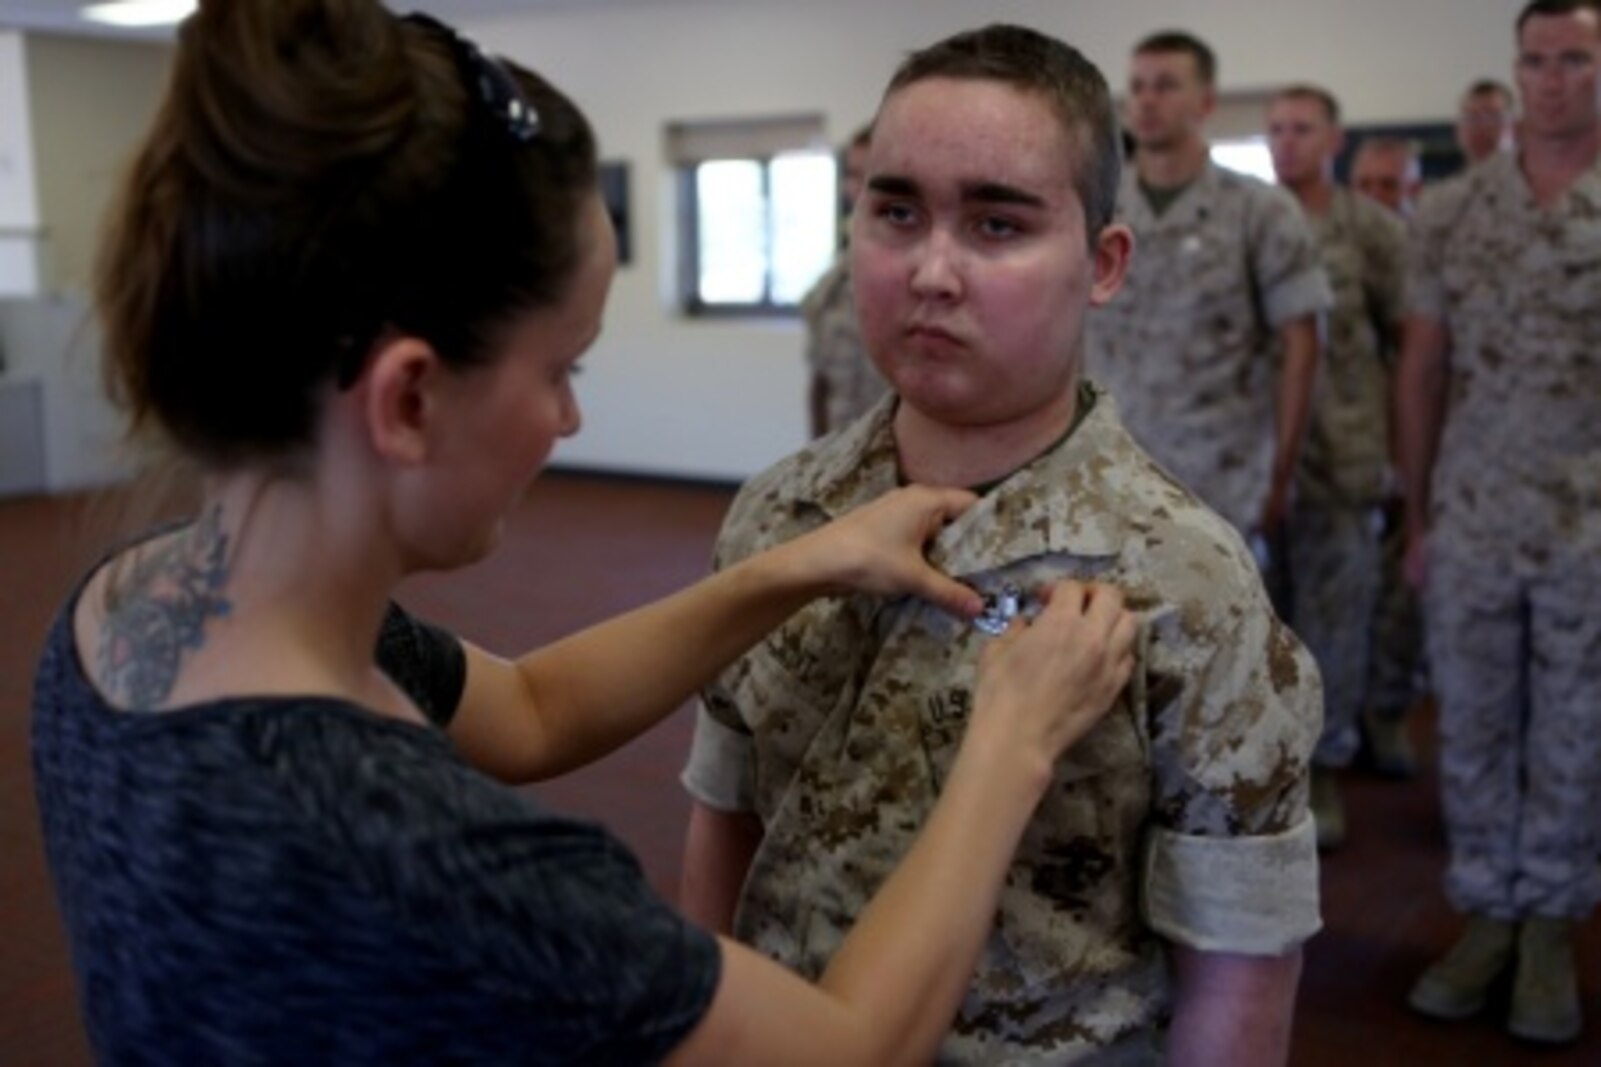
<point>91,101</point>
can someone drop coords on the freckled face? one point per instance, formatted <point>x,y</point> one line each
<point>969,255</point>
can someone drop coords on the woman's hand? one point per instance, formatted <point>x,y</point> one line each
<point>1045,684</point>
<point>878,548</point>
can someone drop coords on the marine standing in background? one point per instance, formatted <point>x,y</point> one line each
<point>1387,169</point>
<point>1212,346</point>
<point>1501,448</point>
<point>1345,467</point>
<point>1486,120</point>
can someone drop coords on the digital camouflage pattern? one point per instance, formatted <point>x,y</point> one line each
<point>1336,566</point>
<point>1189,346</point>
<point>1182,815</point>
<point>1347,455</point>
<point>1514,594</point>
<point>1519,795</point>
<point>1345,468</point>
<point>834,349</point>
<point>1396,652</point>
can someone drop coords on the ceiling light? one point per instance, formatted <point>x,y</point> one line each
<point>140,12</point>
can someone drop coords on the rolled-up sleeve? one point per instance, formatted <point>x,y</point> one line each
<point>1251,895</point>
<point>1285,263</point>
<point>718,773</point>
<point>1230,861</point>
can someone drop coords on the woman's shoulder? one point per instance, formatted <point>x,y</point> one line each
<point>106,616</point>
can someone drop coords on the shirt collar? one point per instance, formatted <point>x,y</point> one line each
<point>1055,504</point>
<point>1196,197</point>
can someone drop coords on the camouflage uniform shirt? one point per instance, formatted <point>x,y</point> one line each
<point>1188,347</point>
<point>1347,453</point>
<point>834,349</point>
<point>1519,286</point>
<point>1181,816</point>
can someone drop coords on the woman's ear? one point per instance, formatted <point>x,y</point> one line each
<point>399,398</point>
<point>1114,247</point>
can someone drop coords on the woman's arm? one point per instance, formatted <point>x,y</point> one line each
<point>890,993</point>
<point>569,703</point>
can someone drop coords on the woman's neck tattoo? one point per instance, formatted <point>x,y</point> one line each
<point>159,614</point>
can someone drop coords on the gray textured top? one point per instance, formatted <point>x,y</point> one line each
<point>300,880</point>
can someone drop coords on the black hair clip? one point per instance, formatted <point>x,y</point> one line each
<point>497,89</point>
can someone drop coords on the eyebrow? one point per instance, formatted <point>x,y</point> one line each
<point>972,192</point>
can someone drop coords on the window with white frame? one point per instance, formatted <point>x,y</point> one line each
<point>757,213</point>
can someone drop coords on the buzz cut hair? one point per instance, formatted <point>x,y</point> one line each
<point>1072,86</point>
<point>1182,42</point>
<point>1386,142</point>
<point>1315,93</point>
<point>1556,7</point>
<point>1491,87</point>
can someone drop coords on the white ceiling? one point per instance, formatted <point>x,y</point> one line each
<point>61,16</point>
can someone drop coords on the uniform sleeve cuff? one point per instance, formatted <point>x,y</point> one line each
<point>1255,896</point>
<point>718,773</point>
<point>1425,302</point>
<point>1305,294</point>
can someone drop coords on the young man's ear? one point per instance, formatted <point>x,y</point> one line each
<point>399,398</point>
<point>1114,248</point>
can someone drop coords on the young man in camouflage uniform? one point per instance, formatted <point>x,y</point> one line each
<point>1212,346</point>
<point>1170,875</point>
<point>1501,446</point>
<point>1345,468</point>
<point>844,382</point>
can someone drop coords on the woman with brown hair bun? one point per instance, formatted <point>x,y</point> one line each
<point>353,267</point>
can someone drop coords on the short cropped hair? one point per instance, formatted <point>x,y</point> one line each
<point>1386,142</point>
<point>1491,87</point>
<point>1556,7</point>
<point>1179,41</point>
<point>1073,86</point>
<point>1318,95</point>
